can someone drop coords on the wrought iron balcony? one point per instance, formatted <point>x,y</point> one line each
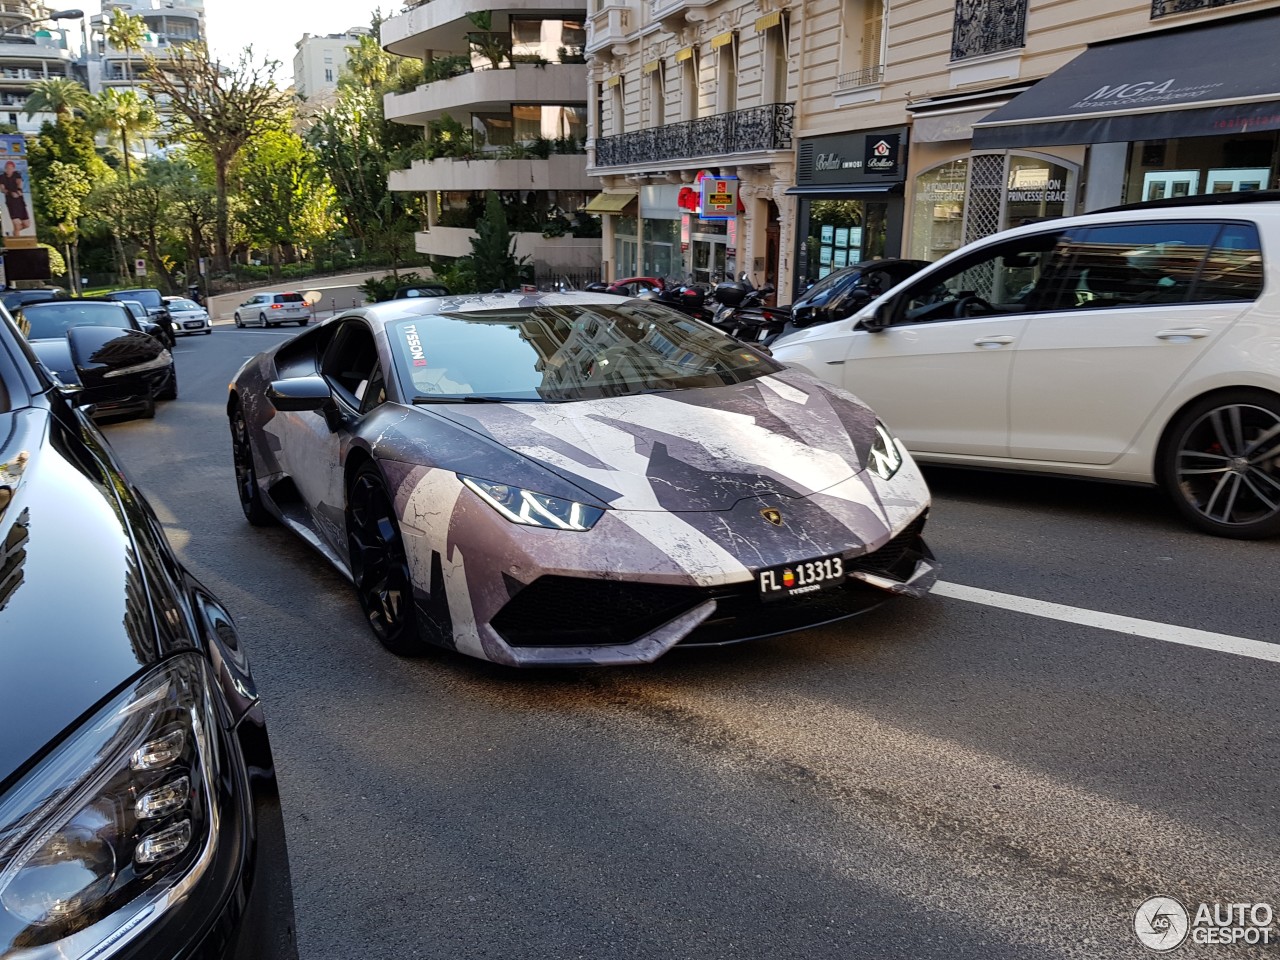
<point>1162,8</point>
<point>742,131</point>
<point>988,26</point>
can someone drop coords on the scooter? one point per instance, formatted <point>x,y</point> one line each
<point>742,312</point>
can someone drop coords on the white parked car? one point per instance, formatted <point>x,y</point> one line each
<point>273,309</point>
<point>1138,344</point>
<point>188,316</point>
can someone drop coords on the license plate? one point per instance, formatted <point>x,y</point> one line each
<point>798,579</point>
<point>193,324</point>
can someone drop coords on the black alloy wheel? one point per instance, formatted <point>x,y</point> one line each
<point>255,511</point>
<point>1220,463</point>
<point>379,566</point>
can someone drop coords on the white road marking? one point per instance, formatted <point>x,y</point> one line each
<point>1151,629</point>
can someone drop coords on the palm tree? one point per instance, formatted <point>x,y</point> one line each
<point>60,96</point>
<point>126,31</point>
<point>124,113</point>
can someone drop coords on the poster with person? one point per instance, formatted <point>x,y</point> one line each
<point>17,220</point>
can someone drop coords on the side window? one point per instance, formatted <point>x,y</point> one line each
<point>350,362</point>
<point>374,393</point>
<point>1233,269</point>
<point>999,279</point>
<point>1124,265</point>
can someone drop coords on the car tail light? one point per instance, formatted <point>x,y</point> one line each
<point>275,306</point>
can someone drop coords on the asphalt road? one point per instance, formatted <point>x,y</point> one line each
<point>938,778</point>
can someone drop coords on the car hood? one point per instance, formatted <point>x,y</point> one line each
<point>784,435</point>
<point>75,623</point>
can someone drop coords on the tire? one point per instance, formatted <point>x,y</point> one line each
<point>302,322</point>
<point>1219,462</point>
<point>170,392</point>
<point>379,566</point>
<point>207,332</point>
<point>255,511</point>
<point>149,411</point>
<point>265,323</point>
<point>239,322</point>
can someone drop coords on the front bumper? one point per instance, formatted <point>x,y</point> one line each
<point>185,326</point>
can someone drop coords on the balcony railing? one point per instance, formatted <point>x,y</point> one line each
<point>743,131</point>
<point>1162,8</point>
<point>860,78</point>
<point>988,26</point>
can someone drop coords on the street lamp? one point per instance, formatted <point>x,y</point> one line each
<point>55,15</point>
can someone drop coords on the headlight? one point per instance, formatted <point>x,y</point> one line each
<point>115,823</point>
<point>534,509</point>
<point>885,458</point>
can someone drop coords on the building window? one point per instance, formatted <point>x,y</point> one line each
<point>727,77</point>
<point>657,97</point>
<point>328,76</point>
<point>690,90</point>
<point>599,125</point>
<point>988,26</point>
<point>862,44</point>
<point>776,63</point>
<point>618,106</point>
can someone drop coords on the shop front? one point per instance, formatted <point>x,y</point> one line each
<point>849,188</point>
<point>1173,113</point>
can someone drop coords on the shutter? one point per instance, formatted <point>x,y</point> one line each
<point>872,38</point>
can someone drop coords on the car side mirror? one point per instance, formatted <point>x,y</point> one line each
<point>878,319</point>
<point>299,393</point>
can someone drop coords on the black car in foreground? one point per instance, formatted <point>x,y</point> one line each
<point>139,816</point>
<point>846,291</point>
<point>101,347</point>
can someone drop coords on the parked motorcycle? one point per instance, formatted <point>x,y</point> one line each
<point>689,298</point>
<point>742,313</point>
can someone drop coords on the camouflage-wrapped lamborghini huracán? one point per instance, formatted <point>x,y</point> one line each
<point>573,478</point>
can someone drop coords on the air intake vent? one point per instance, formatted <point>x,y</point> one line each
<point>804,162</point>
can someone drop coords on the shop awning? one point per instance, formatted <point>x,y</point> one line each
<point>844,189</point>
<point>1206,79</point>
<point>610,201</point>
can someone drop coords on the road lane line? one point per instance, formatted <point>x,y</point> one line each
<point>1151,629</point>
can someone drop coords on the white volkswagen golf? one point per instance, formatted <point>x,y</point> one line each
<point>1139,344</point>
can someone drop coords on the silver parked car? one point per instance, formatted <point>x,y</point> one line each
<point>273,309</point>
<point>189,317</point>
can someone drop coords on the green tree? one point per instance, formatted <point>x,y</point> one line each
<point>218,108</point>
<point>126,32</point>
<point>60,96</point>
<point>125,114</point>
<point>192,204</point>
<point>285,193</point>
<point>493,262</point>
<point>64,189</point>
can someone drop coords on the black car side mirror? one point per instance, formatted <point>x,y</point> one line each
<point>878,319</point>
<point>299,393</point>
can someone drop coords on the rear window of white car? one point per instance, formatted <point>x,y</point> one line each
<point>289,298</point>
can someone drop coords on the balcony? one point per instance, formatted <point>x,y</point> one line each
<point>489,90</point>
<point>985,27</point>
<point>443,25</point>
<point>560,253</point>
<point>611,24</point>
<point>557,172</point>
<point>753,130</point>
<point>674,14</point>
<point>1163,8</point>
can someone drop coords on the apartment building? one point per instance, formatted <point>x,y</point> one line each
<point>503,108</point>
<point>909,127</point>
<point>30,50</point>
<point>318,61</point>
<point>169,23</point>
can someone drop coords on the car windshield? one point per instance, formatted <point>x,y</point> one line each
<point>822,289</point>
<point>184,306</point>
<point>45,321</point>
<point>16,298</point>
<point>558,353</point>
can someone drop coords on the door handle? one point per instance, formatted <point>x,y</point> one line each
<point>992,341</point>
<point>1183,335</point>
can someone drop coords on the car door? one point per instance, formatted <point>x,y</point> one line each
<point>1138,304</point>
<point>938,373</point>
<point>314,449</point>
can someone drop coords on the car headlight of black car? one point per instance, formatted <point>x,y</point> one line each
<point>885,459</point>
<point>117,823</point>
<point>534,509</point>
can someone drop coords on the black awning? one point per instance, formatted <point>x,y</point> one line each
<point>1197,81</point>
<point>844,189</point>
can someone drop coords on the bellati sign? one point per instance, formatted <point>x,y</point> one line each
<point>719,198</point>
